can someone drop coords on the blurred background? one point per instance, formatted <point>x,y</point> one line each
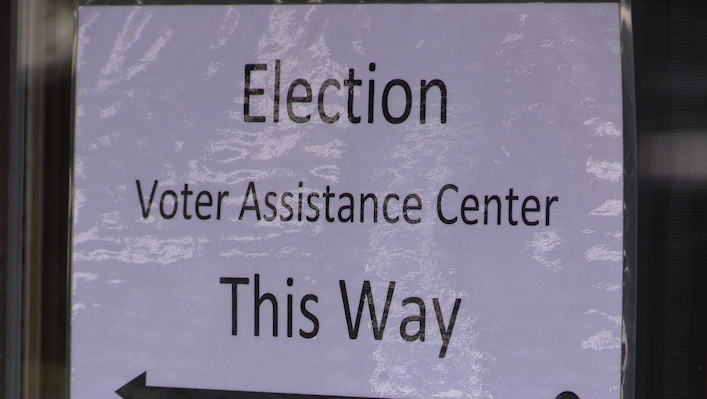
<point>670,75</point>
<point>670,54</point>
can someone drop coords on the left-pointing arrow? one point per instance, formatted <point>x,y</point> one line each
<point>138,389</point>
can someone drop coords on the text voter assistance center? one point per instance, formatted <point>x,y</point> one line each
<point>369,201</point>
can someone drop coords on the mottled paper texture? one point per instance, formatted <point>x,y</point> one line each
<point>533,104</point>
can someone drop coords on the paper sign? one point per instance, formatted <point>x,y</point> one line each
<point>390,201</point>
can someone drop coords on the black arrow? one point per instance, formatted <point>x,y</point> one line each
<point>138,389</point>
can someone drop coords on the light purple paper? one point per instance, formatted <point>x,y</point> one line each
<point>534,104</point>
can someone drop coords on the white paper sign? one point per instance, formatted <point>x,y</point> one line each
<point>395,201</point>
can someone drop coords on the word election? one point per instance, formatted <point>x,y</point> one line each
<point>306,204</point>
<point>332,84</point>
<point>418,319</point>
